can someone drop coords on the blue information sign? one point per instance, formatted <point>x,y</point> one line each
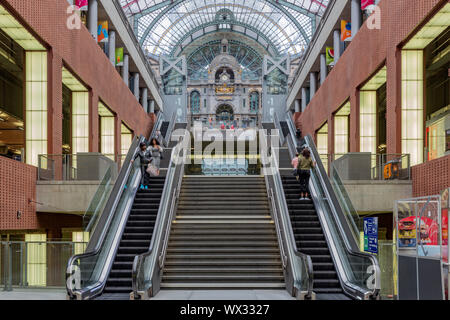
<point>371,235</point>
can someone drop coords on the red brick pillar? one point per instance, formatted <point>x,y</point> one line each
<point>93,122</point>
<point>354,121</point>
<point>394,102</point>
<point>55,113</point>
<point>118,137</point>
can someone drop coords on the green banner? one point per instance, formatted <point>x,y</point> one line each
<point>119,57</point>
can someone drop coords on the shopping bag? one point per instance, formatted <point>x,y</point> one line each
<point>152,170</point>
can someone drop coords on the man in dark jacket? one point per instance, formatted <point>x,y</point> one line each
<point>144,158</point>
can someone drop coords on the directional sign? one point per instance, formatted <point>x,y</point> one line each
<point>371,235</point>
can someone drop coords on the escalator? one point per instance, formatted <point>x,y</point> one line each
<point>324,231</point>
<point>135,239</point>
<point>164,127</point>
<point>311,240</point>
<point>123,229</point>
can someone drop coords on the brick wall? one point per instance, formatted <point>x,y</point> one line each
<point>77,51</point>
<point>17,188</point>
<point>432,177</point>
<point>369,50</point>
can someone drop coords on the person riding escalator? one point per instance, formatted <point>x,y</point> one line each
<point>144,157</point>
<point>305,164</point>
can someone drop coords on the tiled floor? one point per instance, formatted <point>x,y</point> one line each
<point>33,294</point>
<point>223,295</point>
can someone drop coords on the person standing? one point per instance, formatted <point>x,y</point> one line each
<point>144,161</point>
<point>305,164</point>
<point>155,151</point>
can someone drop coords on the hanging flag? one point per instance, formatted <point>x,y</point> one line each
<point>346,30</point>
<point>102,31</point>
<point>119,57</point>
<point>366,3</point>
<point>330,56</point>
<point>82,5</point>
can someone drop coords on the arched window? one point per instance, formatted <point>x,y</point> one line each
<point>195,102</point>
<point>254,101</point>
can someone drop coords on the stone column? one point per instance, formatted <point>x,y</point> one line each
<point>125,70</point>
<point>323,68</point>
<point>338,45</point>
<point>356,17</point>
<point>297,106</point>
<point>144,99</point>
<point>304,99</point>
<point>112,47</point>
<point>312,85</point>
<point>136,85</point>
<point>93,18</point>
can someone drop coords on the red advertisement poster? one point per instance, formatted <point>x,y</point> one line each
<point>82,4</point>
<point>366,3</point>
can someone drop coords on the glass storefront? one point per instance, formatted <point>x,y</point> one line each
<point>11,98</point>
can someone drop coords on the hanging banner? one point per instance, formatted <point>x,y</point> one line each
<point>102,31</point>
<point>119,57</point>
<point>330,56</point>
<point>346,30</point>
<point>365,4</point>
<point>82,5</point>
<point>371,235</point>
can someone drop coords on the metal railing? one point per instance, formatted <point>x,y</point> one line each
<point>147,267</point>
<point>75,167</point>
<point>298,267</point>
<point>391,166</point>
<point>37,264</point>
<point>93,266</point>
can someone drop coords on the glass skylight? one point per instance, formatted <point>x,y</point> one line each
<point>168,26</point>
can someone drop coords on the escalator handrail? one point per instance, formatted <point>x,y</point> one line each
<point>98,236</point>
<point>351,246</point>
<point>158,121</point>
<point>171,126</point>
<point>277,124</point>
<point>292,249</point>
<point>161,220</point>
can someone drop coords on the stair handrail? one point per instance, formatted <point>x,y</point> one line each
<point>302,282</point>
<point>175,199</point>
<point>159,120</point>
<point>349,244</point>
<point>99,234</point>
<point>171,126</point>
<point>277,226</point>
<point>146,269</point>
<point>276,122</point>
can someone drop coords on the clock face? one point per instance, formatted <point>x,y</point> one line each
<point>224,77</point>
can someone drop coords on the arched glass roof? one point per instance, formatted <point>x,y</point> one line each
<point>168,26</point>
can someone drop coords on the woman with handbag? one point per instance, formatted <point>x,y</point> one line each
<point>305,164</point>
<point>155,150</point>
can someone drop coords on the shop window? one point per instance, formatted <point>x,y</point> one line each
<point>322,144</point>
<point>35,105</point>
<point>412,105</point>
<point>36,259</point>
<point>106,131</point>
<point>437,61</point>
<point>341,131</point>
<point>126,140</point>
<point>11,98</point>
